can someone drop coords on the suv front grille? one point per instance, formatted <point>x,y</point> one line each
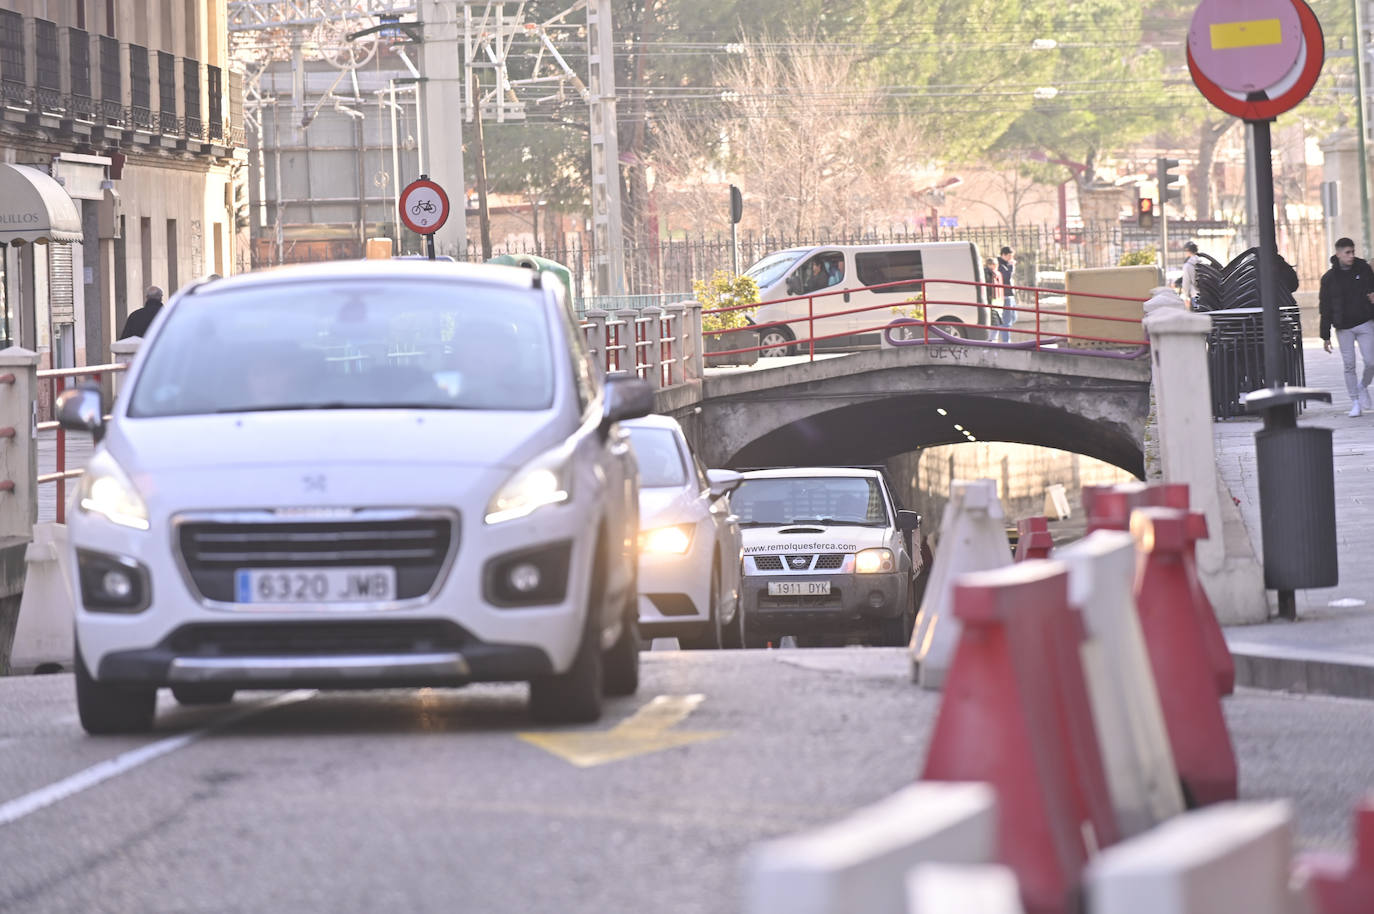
<point>416,547</point>
<point>830,561</point>
<point>767,563</point>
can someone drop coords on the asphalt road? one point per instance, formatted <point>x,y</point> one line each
<point>433,801</point>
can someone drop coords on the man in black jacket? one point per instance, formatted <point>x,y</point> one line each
<point>1347,290</point>
<point>137,323</point>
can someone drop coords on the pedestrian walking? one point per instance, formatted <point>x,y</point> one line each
<point>1344,300</point>
<point>138,322</point>
<point>1189,289</point>
<point>990,281</point>
<point>1006,266</point>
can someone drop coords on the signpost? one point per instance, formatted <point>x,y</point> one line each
<point>424,209</point>
<point>1256,59</point>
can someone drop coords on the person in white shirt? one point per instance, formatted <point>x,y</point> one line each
<point>1189,291</point>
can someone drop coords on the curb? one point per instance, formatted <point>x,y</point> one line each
<point>1260,666</point>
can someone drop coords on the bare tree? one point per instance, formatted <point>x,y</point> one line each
<point>808,136</point>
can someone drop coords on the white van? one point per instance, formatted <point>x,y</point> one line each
<point>837,278</point>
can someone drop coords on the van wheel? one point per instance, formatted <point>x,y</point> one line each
<point>105,708</point>
<point>779,341</point>
<point>954,327</point>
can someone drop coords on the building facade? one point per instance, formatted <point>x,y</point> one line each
<point>131,108</point>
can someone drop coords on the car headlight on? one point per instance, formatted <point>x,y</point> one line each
<point>545,480</point>
<point>874,561</point>
<point>674,540</point>
<point>107,490</point>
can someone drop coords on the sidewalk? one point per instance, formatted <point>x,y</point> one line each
<point>1330,648</point>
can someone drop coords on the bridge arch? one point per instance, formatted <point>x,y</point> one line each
<point>870,406</point>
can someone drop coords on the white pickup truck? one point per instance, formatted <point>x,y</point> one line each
<point>827,553</point>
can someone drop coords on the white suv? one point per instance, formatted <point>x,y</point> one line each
<point>352,475</point>
<point>827,553</point>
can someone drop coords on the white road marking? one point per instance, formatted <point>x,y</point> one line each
<point>43,797</point>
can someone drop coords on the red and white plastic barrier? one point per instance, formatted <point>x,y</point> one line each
<point>1015,714</point>
<point>861,862</point>
<point>1338,883</point>
<point>973,537</point>
<point>1033,538</point>
<point>1203,752</point>
<point>1130,722</point>
<point>1227,858</point>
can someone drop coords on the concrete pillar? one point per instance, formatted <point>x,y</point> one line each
<point>597,342</point>
<point>694,357</point>
<point>1342,165</point>
<point>629,352</point>
<point>441,114</point>
<point>653,353</point>
<point>677,321</point>
<point>1230,572</point>
<point>18,472</point>
<point>122,352</point>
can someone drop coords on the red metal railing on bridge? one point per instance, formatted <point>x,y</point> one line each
<point>944,330</point>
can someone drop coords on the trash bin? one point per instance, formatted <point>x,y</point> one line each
<point>533,262</point>
<point>1297,491</point>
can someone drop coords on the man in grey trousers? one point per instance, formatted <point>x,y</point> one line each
<point>1345,302</point>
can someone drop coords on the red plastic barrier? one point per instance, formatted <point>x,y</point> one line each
<point>1340,884</point>
<point>1175,495</point>
<point>1015,714</point>
<point>1109,507</point>
<point>1033,538</point>
<point>1188,694</point>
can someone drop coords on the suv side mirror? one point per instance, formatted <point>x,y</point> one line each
<point>908,521</point>
<point>723,482</point>
<point>626,398</point>
<point>82,409</point>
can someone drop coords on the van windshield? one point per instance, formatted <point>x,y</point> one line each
<point>771,268</point>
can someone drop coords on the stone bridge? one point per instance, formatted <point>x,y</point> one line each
<point>866,407</point>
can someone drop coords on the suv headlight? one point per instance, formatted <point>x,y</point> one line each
<point>674,540</point>
<point>107,490</point>
<point>545,480</point>
<point>874,561</point>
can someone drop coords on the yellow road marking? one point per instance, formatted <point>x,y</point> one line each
<point>650,729</point>
<point>1254,33</point>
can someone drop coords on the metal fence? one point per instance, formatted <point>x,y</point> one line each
<point>663,272</point>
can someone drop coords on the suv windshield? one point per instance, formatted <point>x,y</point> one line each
<point>770,269</point>
<point>777,501</point>
<point>370,344</point>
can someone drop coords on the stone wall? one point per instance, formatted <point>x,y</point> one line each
<point>1022,472</point>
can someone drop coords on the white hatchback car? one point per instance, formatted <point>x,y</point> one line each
<point>689,542</point>
<point>376,474</point>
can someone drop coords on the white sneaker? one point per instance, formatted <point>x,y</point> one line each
<point>1365,402</point>
<point>1355,411</point>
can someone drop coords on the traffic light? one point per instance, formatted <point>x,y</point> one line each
<point>1166,178</point>
<point>736,204</point>
<point>1145,213</point>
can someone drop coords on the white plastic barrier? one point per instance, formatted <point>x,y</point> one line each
<point>973,537</point>
<point>1228,857</point>
<point>1126,711</point>
<point>860,863</point>
<point>959,888</point>
<point>43,634</point>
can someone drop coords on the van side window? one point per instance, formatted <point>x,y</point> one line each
<point>877,267</point>
<point>820,272</point>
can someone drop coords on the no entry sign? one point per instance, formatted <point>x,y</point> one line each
<point>1255,59</point>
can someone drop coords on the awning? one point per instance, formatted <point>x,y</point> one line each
<point>35,208</point>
